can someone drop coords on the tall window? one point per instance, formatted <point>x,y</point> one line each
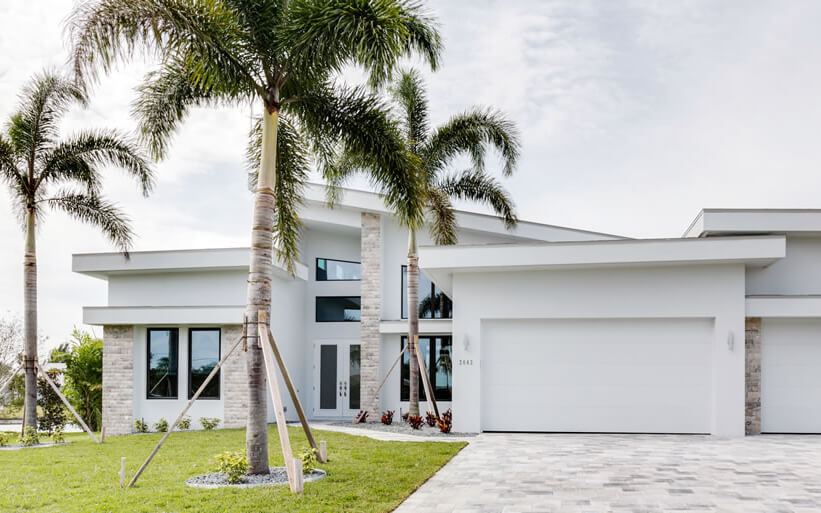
<point>163,365</point>
<point>203,356</point>
<point>433,303</point>
<point>337,270</point>
<point>338,309</point>
<point>439,364</point>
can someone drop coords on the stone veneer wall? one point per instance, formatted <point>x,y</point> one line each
<point>234,380</point>
<point>752,347</point>
<point>371,292</point>
<point>118,379</point>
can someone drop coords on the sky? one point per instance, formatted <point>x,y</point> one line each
<point>634,115</point>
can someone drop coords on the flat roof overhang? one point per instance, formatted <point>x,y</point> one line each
<point>440,263</point>
<point>158,315</point>
<point>739,221</point>
<point>102,265</point>
<point>783,306</point>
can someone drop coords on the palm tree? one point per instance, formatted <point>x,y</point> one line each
<point>466,134</point>
<point>285,56</point>
<point>45,173</point>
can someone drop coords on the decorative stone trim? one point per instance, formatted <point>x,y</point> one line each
<point>118,379</point>
<point>234,380</point>
<point>371,292</point>
<point>752,348</point>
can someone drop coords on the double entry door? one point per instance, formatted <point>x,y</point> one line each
<point>336,378</point>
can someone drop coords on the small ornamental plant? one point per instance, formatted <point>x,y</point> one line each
<point>415,421</point>
<point>233,465</point>
<point>30,437</point>
<point>4,439</point>
<point>310,459</point>
<point>405,416</point>
<point>209,423</point>
<point>430,419</point>
<point>161,426</point>
<point>57,435</point>
<point>445,423</point>
<point>184,424</point>
<point>387,417</point>
<point>140,426</point>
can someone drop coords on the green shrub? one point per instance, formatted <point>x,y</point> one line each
<point>83,356</point>
<point>184,423</point>
<point>53,412</point>
<point>140,426</point>
<point>233,465</point>
<point>29,437</point>
<point>209,423</point>
<point>4,439</point>
<point>310,459</point>
<point>161,426</point>
<point>57,436</point>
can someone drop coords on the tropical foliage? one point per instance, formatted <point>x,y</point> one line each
<point>83,356</point>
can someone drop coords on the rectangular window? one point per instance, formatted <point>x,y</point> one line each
<point>439,364</point>
<point>163,363</point>
<point>433,303</point>
<point>338,309</point>
<point>203,356</point>
<point>337,270</point>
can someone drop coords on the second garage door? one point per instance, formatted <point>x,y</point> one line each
<point>597,375</point>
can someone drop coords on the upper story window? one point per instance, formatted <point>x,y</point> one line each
<point>337,270</point>
<point>433,303</point>
<point>338,309</point>
<point>163,363</point>
<point>203,356</point>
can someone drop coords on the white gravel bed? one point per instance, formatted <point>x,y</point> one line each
<point>278,476</point>
<point>401,427</point>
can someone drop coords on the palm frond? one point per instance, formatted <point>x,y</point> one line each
<point>409,93</point>
<point>442,222</point>
<point>474,185</point>
<point>9,172</point>
<point>93,210</point>
<point>468,133</point>
<point>326,36</point>
<point>80,159</point>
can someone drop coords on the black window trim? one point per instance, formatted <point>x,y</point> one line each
<point>219,357</point>
<point>403,297</point>
<point>316,313</point>
<point>404,340</point>
<point>148,363</point>
<point>316,266</point>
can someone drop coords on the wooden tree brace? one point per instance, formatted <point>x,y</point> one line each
<point>423,372</point>
<point>10,379</point>
<point>65,401</point>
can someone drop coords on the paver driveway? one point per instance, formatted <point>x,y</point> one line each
<point>509,473</point>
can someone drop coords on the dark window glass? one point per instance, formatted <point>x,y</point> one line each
<point>433,303</point>
<point>353,371</point>
<point>337,270</point>
<point>327,377</point>
<point>163,364</point>
<point>337,309</point>
<point>203,356</point>
<point>439,364</point>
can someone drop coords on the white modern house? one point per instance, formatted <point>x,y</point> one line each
<point>544,328</point>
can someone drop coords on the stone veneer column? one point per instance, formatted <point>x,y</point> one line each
<point>118,379</point>
<point>752,348</point>
<point>371,292</point>
<point>234,380</point>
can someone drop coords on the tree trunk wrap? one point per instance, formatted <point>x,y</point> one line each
<point>30,319</point>
<point>413,322</point>
<point>259,295</point>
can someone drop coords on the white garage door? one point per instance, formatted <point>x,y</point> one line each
<point>790,376</point>
<point>597,375</point>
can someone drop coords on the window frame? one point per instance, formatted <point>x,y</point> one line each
<point>430,367</point>
<point>218,377</point>
<point>148,331</point>
<point>316,266</point>
<point>403,296</point>
<point>316,310</point>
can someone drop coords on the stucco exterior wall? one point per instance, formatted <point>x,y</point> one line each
<point>795,274</point>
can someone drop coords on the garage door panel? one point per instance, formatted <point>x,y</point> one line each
<point>618,375</point>
<point>791,376</point>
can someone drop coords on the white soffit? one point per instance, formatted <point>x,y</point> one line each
<point>716,221</point>
<point>100,265</point>
<point>441,262</point>
<point>783,306</point>
<point>129,315</point>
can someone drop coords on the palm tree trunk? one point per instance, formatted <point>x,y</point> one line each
<point>413,322</point>
<point>259,295</point>
<point>30,319</point>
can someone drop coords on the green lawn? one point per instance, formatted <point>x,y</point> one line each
<point>364,475</point>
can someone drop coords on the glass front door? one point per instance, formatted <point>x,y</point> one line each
<point>337,373</point>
